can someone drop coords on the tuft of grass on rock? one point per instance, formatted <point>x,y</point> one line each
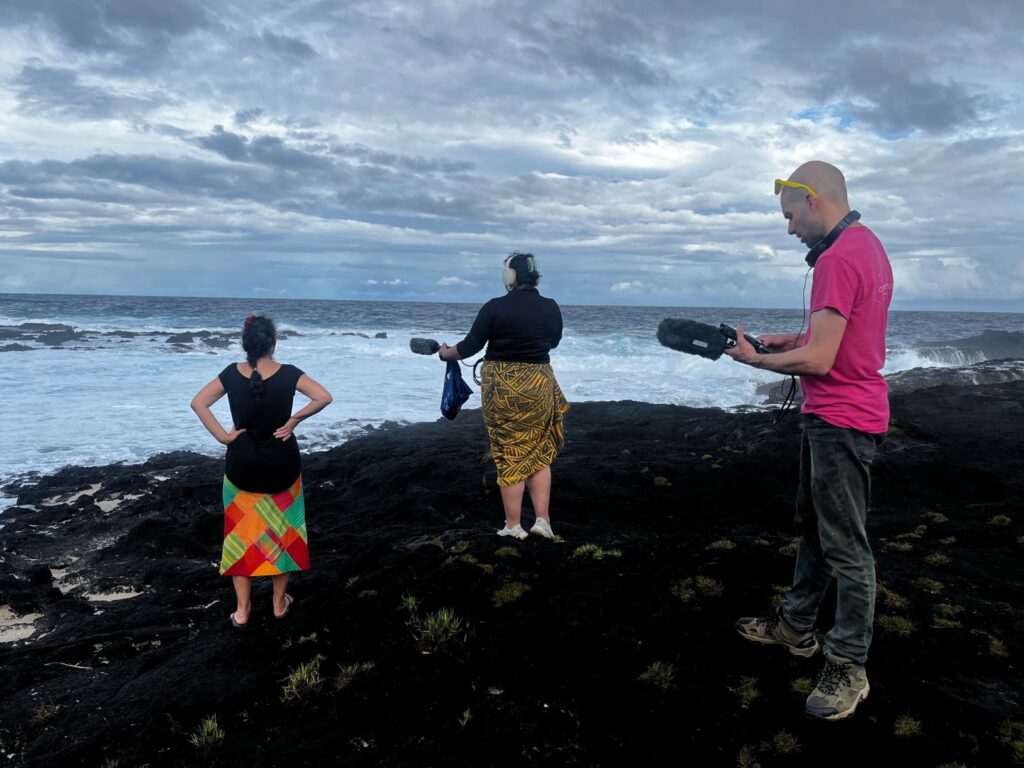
<point>310,638</point>
<point>946,616</point>
<point>207,734</point>
<point>948,540</point>
<point>790,550</point>
<point>747,757</point>
<point>467,558</point>
<point>929,585</point>
<point>485,567</point>
<point>999,520</point>
<point>349,672</point>
<point>409,603</point>
<point>683,590</point>
<point>367,593</point>
<point>937,558</point>
<point>708,586</point>
<point>465,718</point>
<point>44,712</point>
<point>896,624</point>
<point>892,599</point>
<point>785,743</point>
<point>303,680</point>
<point>997,647</point>
<point>935,517</point>
<point>915,534</point>
<point>759,542</point>
<point>721,544</point>
<point>658,673</point>
<point>506,552</point>
<point>509,593</point>
<point>898,546</point>
<point>351,582</point>
<point>460,546</point>
<point>440,629</point>
<point>747,691</point>
<point>1012,735</point>
<point>802,686</point>
<point>662,482</point>
<point>907,726</point>
<point>686,590</point>
<point>595,552</point>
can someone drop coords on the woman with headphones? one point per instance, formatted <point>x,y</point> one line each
<point>522,402</point>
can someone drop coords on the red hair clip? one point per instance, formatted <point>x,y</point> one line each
<point>249,319</point>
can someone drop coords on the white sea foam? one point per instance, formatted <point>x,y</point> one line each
<point>110,399</point>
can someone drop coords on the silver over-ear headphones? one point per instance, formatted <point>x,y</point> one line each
<point>510,276</point>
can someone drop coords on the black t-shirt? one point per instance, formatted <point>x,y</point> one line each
<point>520,327</point>
<point>256,460</point>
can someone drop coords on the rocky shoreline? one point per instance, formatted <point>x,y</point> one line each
<point>613,645</point>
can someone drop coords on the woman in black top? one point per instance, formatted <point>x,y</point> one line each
<point>264,506</point>
<point>522,402</point>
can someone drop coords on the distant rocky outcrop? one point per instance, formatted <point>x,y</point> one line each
<point>987,372</point>
<point>990,345</point>
<point>27,337</point>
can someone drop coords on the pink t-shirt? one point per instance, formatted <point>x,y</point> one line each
<point>854,278</point>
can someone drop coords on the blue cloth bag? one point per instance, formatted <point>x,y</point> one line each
<point>455,391</point>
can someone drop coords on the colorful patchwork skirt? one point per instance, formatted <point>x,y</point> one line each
<point>264,533</point>
<point>523,407</point>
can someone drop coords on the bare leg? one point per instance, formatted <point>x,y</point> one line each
<point>539,484</point>
<point>512,499</point>
<point>243,588</point>
<point>280,585</point>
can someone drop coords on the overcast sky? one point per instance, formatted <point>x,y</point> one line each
<point>390,150</point>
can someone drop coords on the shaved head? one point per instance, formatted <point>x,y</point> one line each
<point>811,217</point>
<point>825,179</point>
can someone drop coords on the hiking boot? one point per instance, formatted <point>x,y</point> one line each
<point>840,687</point>
<point>772,629</point>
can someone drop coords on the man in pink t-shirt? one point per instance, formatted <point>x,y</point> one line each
<point>845,416</point>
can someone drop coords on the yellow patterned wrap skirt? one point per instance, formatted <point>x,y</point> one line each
<point>523,407</point>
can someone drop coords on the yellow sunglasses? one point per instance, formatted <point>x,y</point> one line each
<point>780,183</point>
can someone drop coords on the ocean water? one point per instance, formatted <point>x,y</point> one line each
<point>117,388</point>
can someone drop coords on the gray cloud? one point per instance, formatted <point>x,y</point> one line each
<point>288,47</point>
<point>245,117</point>
<point>106,25</point>
<point>890,89</point>
<point>58,92</point>
<point>72,256</point>
<point>627,144</point>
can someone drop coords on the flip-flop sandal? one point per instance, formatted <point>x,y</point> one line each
<point>236,623</point>
<point>288,600</point>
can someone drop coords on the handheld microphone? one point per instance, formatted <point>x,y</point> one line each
<point>424,346</point>
<point>701,339</point>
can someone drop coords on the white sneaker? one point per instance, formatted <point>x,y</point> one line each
<point>542,528</point>
<point>516,532</point>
